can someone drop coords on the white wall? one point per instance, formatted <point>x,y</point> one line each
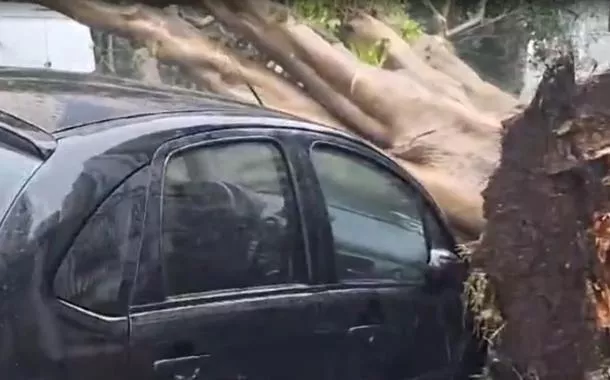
<point>34,37</point>
<point>592,42</point>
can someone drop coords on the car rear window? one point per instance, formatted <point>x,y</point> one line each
<point>15,169</point>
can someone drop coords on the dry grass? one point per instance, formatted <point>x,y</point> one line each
<point>480,299</point>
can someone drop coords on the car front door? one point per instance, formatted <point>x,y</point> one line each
<point>223,289</point>
<point>395,285</point>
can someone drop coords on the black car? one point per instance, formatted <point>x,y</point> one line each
<point>150,233</point>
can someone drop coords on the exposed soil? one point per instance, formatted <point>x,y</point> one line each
<point>536,248</point>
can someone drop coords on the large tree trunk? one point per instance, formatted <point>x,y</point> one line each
<point>432,64</point>
<point>173,40</point>
<point>536,248</point>
<point>427,108</point>
<point>400,109</point>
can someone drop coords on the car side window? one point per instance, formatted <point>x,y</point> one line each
<point>229,218</point>
<point>375,218</point>
<point>91,273</point>
<point>438,236</point>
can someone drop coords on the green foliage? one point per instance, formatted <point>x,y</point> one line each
<point>410,29</point>
<point>323,13</point>
<point>338,8</point>
<point>330,14</point>
<point>544,21</point>
<point>372,54</point>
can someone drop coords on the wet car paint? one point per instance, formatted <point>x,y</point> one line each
<point>42,337</point>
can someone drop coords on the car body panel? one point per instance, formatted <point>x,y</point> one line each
<point>264,333</point>
<point>66,100</point>
<point>387,323</point>
<point>34,236</point>
<point>42,337</point>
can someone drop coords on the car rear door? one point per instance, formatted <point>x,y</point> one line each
<point>223,287</point>
<point>394,286</point>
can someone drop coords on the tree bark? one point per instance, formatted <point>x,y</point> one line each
<point>404,115</point>
<point>173,40</point>
<point>269,35</point>
<point>420,114</point>
<point>431,62</point>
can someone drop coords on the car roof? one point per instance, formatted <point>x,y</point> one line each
<point>54,100</point>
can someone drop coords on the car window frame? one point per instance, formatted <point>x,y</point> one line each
<point>425,201</point>
<point>97,321</point>
<point>152,242</point>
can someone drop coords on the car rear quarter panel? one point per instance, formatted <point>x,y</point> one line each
<point>37,231</point>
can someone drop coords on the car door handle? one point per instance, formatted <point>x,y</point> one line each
<point>183,368</point>
<point>365,333</point>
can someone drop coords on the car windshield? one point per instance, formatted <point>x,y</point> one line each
<point>15,170</point>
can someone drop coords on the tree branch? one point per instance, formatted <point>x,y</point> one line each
<point>200,22</point>
<point>173,40</point>
<point>432,8</point>
<point>147,66</point>
<point>447,8</point>
<point>489,21</point>
<point>440,20</point>
<point>475,20</point>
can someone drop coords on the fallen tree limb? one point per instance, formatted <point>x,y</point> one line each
<point>485,96</point>
<point>173,40</point>
<point>400,108</point>
<point>431,63</point>
<point>393,108</point>
<point>363,29</point>
<point>257,27</point>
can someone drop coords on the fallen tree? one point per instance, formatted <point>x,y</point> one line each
<point>536,261</point>
<point>423,104</point>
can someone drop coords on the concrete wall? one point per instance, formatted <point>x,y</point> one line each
<point>589,32</point>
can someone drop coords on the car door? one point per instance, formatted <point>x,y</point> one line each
<point>395,285</point>
<point>223,283</point>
